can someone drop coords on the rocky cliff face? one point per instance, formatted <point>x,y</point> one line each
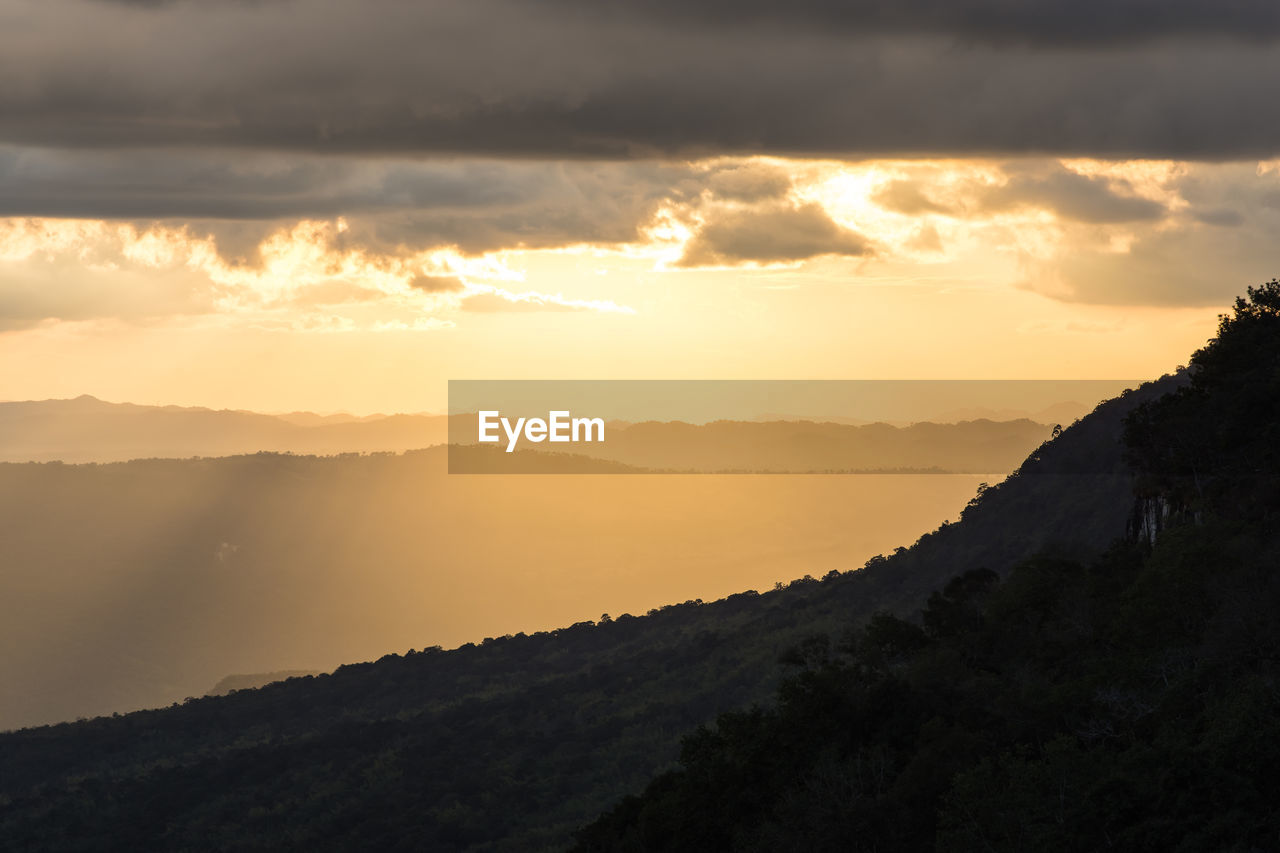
<point>1150,516</point>
<point>1154,514</point>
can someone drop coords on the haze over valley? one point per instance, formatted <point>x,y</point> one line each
<point>138,584</point>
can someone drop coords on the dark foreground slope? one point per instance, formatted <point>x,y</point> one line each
<point>1127,702</point>
<point>513,744</point>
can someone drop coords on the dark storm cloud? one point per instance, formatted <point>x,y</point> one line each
<point>570,79</point>
<point>1040,22</point>
<point>772,234</point>
<point>1075,22</point>
<point>240,198</point>
<point>244,185</point>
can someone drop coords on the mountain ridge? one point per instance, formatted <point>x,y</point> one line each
<point>513,743</point>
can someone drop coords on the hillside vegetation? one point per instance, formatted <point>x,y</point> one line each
<point>1127,702</point>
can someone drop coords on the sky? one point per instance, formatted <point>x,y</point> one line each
<point>337,205</point>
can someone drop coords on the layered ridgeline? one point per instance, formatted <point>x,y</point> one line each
<point>798,447</point>
<point>87,429</point>
<point>1127,702</point>
<point>515,743</point>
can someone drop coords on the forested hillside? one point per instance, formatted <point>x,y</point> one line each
<point>1126,702</point>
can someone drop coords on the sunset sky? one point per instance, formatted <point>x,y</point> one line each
<point>313,204</point>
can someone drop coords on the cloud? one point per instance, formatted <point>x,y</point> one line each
<point>926,239</point>
<point>497,300</point>
<point>327,293</point>
<point>774,234</point>
<point>749,182</point>
<point>1085,198</point>
<point>59,270</point>
<point>1220,234</point>
<point>421,324</point>
<point>436,283</point>
<point>1125,233</point>
<point>241,197</point>
<point>1223,217</point>
<point>1120,233</point>
<point>1045,22</point>
<point>92,271</point>
<point>1097,199</point>
<point>1172,268</point>
<point>391,208</point>
<point>572,79</point>
<point>904,196</point>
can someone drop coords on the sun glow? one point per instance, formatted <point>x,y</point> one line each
<point>985,256</point>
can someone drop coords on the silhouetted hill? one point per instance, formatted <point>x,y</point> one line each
<point>512,744</point>
<point>258,679</point>
<point>1122,702</point>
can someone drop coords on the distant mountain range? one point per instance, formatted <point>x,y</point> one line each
<point>763,447</point>
<point>970,447</point>
<point>1062,413</point>
<point>87,429</point>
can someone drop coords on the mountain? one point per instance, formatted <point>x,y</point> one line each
<point>1086,659</point>
<point>514,743</point>
<point>1122,702</point>
<point>87,429</point>
<point>1058,413</point>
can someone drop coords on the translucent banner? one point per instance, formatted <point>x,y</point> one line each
<point>759,426</point>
